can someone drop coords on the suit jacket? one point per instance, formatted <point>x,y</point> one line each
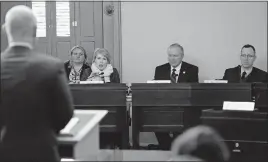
<point>114,77</point>
<point>36,104</point>
<point>188,73</point>
<point>85,72</point>
<point>233,75</point>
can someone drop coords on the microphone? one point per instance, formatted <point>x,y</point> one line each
<point>102,77</point>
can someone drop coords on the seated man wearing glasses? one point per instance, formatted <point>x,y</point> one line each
<point>246,72</point>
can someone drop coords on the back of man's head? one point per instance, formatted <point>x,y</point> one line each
<point>20,24</point>
<point>202,142</point>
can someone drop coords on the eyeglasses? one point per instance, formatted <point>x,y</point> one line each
<point>247,56</point>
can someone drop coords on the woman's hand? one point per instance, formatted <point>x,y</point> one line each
<point>94,77</point>
<point>74,82</point>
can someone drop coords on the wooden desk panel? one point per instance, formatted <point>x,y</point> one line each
<point>194,94</point>
<point>238,125</point>
<point>99,94</point>
<point>176,107</point>
<point>245,133</point>
<point>153,119</point>
<point>111,97</point>
<point>260,93</point>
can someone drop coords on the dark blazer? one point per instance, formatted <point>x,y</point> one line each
<point>114,78</point>
<point>36,104</point>
<point>86,71</point>
<point>188,73</point>
<point>233,75</point>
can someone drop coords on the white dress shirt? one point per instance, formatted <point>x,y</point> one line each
<point>248,71</point>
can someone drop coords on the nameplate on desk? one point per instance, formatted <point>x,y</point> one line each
<point>215,81</point>
<point>158,81</point>
<point>238,106</point>
<point>67,159</point>
<point>91,82</point>
<point>66,131</point>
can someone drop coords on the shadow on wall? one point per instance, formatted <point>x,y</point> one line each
<point>4,42</point>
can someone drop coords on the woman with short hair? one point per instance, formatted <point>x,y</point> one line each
<point>101,67</point>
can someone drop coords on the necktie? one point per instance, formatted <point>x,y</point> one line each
<point>173,76</point>
<point>243,76</point>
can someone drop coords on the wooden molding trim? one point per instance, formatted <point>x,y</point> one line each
<point>112,34</point>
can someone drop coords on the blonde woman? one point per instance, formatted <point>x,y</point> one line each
<point>76,68</point>
<point>102,69</point>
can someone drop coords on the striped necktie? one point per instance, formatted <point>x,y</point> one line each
<point>173,76</point>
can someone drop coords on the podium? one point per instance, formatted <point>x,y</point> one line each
<point>82,143</point>
<point>245,133</point>
<point>111,97</point>
<point>176,107</point>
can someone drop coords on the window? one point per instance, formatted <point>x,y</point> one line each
<point>63,19</point>
<point>39,9</point>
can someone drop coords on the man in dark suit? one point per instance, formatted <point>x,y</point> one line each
<point>177,71</point>
<point>246,72</point>
<point>36,102</point>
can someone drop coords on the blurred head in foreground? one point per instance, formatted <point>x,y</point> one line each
<point>201,142</point>
<point>20,25</point>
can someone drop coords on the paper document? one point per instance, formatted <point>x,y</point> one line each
<point>158,81</point>
<point>66,159</point>
<point>241,106</point>
<point>215,81</point>
<point>67,129</point>
<point>91,82</point>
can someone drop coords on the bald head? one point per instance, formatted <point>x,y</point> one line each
<point>202,142</point>
<point>20,24</point>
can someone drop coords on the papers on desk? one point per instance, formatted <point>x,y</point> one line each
<point>67,129</point>
<point>215,81</point>
<point>91,82</point>
<point>67,159</point>
<point>238,106</point>
<point>158,81</point>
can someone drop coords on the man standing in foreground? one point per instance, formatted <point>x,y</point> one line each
<point>36,102</point>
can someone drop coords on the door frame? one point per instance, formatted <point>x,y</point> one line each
<point>112,32</point>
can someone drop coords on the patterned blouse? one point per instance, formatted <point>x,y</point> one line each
<point>75,75</point>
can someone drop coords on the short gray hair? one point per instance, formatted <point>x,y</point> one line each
<point>176,45</point>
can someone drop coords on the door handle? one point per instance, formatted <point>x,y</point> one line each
<point>74,23</point>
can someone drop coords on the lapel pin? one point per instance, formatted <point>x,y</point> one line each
<point>183,72</point>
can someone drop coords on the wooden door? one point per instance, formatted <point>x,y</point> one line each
<point>43,13</point>
<point>88,26</point>
<point>63,35</point>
